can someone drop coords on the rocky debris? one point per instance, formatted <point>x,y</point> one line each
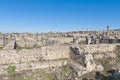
<point>99,67</point>
<point>88,64</point>
<point>77,68</point>
<point>99,56</point>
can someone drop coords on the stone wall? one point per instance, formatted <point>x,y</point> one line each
<point>56,52</point>
<point>94,48</point>
<point>43,57</point>
<point>33,55</point>
<point>34,65</point>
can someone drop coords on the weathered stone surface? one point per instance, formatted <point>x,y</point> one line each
<point>25,59</point>
<point>77,68</point>
<point>33,55</point>
<point>11,45</point>
<point>89,62</point>
<point>96,48</point>
<point>34,65</point>
<point>99,67</point>
<point>83,61</point>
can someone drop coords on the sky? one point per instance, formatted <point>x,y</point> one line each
<point>58,15</point>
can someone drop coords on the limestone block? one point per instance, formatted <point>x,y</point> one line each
<point>99,67</point>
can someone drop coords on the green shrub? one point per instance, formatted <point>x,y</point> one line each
<point>36,46</point>
<point>1,48</point>
<point>11,70</point>
<point>65,69</point>
<point>46,75</point>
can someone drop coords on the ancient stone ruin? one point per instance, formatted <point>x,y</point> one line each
<point>83,52</point>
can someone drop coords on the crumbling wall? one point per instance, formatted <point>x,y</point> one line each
<point>93,48</point>
<point>34,65</point>
<point>33,55</point>
<point>43,57</point>
<point>56,52</point>
<point>82,61</point>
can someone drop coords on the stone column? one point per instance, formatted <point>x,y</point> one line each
<point>107,30</point>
